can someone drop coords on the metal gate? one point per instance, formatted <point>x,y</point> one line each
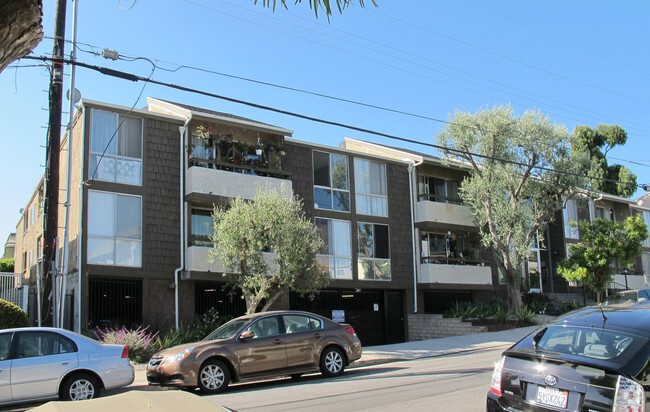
<point>11,290</point>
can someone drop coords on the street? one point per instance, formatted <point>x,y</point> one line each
<point>451,382</point>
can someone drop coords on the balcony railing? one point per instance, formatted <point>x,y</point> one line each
<point>451,261</point>
<point>246,166</point>
<point>440,199</point>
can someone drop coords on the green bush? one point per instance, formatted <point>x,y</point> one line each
<point>11,316</point>
<point>500,313</point>
<point>525,314</point>
<point>461,310</point>
<point>209,321</point>
<point>175,337</point>
<point>537,302</point>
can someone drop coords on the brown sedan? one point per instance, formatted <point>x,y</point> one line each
<point>258,346</point>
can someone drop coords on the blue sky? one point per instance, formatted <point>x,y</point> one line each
<point>580,62</point>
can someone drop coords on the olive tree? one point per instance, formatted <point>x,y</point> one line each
<point>603,243</point>
<point>268,247</point>
<point>517,180</point>
<point>317,4</point>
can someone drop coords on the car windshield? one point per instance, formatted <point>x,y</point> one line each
<point>227,330</point>
<point>597,344</point>
<point>621,297</point>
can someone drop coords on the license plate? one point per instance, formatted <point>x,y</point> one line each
<point>552,397</point>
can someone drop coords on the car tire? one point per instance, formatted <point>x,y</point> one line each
<point>79,387</point>
<point>214,377</point>
<point>332,362</point>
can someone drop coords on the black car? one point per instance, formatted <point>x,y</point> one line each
<point>629,297</point>
<point>592,359</point>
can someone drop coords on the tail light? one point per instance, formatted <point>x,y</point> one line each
<point>350,330</point>
<point>495,388</point>
<point>125,352</point>
<point>629,397</point>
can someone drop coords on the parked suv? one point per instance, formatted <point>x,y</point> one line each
<point>592,359</point>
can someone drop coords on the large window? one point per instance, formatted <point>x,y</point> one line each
<point>115,148</point>
<point>450,248</point>
<point>374,252</point>
<point>331,182</point>
<point>336,254</point>
<point>570,215</point>
<point>370,187</point>
<point>114,229</point>
<point>436,189</point>
<point>202,227</point>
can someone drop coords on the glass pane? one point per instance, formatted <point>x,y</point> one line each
<point>202,223</point>
<point>323,229</point>
<point>101,214</point>
<point>363,204</point>
<point>379,206</point>
<point>129,221</point>
<point>341,236</point>
<point>100,251</point>
<point>377,178</point>
<point>366,269</point>
<point>343,268</point>
<point>382,269</point>
<point>130,138</point>
<point>361,176</point>
<point>382,244</point>
<point>128,253</point>
<point>129,172</point>
<point>440,187</point>
<point>322,198</point>
<point>321,169</point>
<point>106,169</point>
<point>341,200</point>
<point>102,129</point>
<point>5,345</point>
<point>366,241</point>
<point>339,171</point>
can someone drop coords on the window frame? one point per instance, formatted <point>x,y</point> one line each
<point>376,204</point>
<point>373,260</point>
<point>570,232</point>
<point>336,268</point>
<point>330,188</point>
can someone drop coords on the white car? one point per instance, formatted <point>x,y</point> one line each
<point>48,363</point>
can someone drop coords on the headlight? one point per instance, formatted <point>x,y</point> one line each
<point>177,357</point>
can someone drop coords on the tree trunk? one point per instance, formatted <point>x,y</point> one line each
<point>514,292</point>
<point>20,29</point>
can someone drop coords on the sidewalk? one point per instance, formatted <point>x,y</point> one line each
<point>373,355</point>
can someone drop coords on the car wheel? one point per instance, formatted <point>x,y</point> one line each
<point>80,387</point>
<point>332,362</point>
<point>214,377</point>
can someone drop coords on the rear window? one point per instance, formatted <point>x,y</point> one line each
<point>590,343</point>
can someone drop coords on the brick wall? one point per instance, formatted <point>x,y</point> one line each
<point>427,326</point>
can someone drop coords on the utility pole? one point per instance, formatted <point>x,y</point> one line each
<point>51,207</point>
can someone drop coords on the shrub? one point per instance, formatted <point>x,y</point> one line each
<point>139,341</point>
<point>500,313</point>
<point>175,337</point>
<point>525,314</point>
<point>461,310</point>
<point>537,302</point>
<point>12,316</point>
<point>482,311</point>
<point>208,322</point>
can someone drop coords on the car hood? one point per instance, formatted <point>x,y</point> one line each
<point>180,348</point>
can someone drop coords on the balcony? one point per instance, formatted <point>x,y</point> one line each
<point>451,213</point>
<point>455,274</point>
<point>229,183</point>
<point>197,260</point>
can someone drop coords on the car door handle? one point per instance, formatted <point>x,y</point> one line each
<point>317,335</point>
<point>65,362</point>
<point>278,341</point>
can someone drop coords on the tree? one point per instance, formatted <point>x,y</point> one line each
<point>516,185</point>
<point>317,4</point>
<point>604,242</point>
<point>21,29</point>
<point>598,142</point>
<point>272,222</point>
<point>7,265</point>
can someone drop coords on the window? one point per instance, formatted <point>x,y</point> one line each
<point>202,227</point>
<point>5,345</point>
<point>450,247</point>
<point>32,214</point>
<point>300,323</point>
<point>645,262</point>
<point>597,344</point>
<point>115,154</point>
<point>370,188</point>
<point>374,252</point>
<point>114,229</point>
<point>331,185</point>
<point>570,215</point>
<point>265,327</point>
<point>31,344</point>
<point>336,254</point>
<point>436,189</point>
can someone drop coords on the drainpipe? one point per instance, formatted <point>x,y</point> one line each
<point>80,231</point>
<point>182,130</point>
<point>411,168</point>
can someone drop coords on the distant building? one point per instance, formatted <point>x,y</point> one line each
<point>10,246</point>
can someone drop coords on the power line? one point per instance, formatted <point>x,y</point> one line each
<point>135,78</point>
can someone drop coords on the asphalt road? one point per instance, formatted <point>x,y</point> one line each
<point>451,382</point>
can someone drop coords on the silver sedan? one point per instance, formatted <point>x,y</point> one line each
<point>48,363</point>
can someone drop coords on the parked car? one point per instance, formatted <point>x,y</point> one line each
<point>592,359</point>
<point>629,297</point>
<point>257,346</point>
<point>48,363</point>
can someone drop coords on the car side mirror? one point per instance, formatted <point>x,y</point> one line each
<point>642,300</point>
<point>248,334</point>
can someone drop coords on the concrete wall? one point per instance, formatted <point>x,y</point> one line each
<point>228,184</point>
<point>455,274</point>
<point>427,326</point>
<point>447,213</point>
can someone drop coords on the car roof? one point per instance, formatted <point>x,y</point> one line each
<point>632,319</point>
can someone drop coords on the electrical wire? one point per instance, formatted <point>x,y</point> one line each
<point>135,78</point>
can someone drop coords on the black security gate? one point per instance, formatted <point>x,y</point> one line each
<point>370,313</point>
<point>114,302</point>
<point>220,296</point>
